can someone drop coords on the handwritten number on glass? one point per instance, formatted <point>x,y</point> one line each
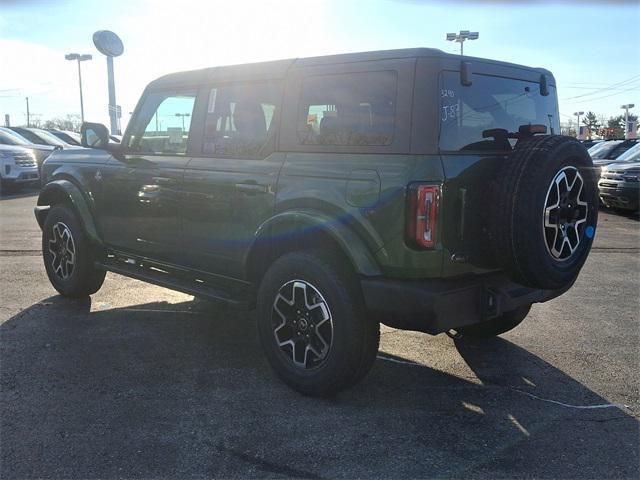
<point>449,112</point>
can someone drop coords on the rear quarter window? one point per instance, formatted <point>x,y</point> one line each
<point>348,109</point>
<point>468,113</point>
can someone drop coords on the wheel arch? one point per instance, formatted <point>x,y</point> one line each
<point>305,229</point>
<point>65,191</point>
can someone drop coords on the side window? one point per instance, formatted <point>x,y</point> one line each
<point>163,124</point>
<point>348,109</point>
<point>240,120</point>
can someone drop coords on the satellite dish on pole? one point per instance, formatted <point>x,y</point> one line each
<point>108,43</point>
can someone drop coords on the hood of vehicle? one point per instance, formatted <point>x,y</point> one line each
<point>13,149</point>
<point>601,162</point>
<point>623,167</point>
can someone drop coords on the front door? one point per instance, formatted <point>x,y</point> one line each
<point>230,183</point>
<point>142,186</point>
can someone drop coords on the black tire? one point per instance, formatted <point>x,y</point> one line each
<point>354,337</point>
<point>496,326</point>
<point>526,185</point>
<point>80,278</point>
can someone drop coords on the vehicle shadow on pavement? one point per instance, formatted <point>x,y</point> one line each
<point>182,391</point>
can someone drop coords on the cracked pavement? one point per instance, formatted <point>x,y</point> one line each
<point>142,382</point>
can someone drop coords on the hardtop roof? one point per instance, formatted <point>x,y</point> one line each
<point>279,68</point>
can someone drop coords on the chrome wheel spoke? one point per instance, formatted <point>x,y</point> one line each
<point>302,324</point>
<point>564,213</point>
<point>62,250</point>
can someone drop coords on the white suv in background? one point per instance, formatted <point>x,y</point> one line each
<point>18,167</point>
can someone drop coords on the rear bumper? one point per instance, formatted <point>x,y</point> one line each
<point>435,306</point>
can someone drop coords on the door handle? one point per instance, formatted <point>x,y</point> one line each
<point>251,188</point>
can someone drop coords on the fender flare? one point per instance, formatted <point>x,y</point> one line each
<point>304,222</point>
<point>53,191</point>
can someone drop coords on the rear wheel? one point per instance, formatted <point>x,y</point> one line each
<point>313,326</point>
<point>68,255</point>
<point>494,327</point>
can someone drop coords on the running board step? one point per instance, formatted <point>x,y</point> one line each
<point>181,281</point>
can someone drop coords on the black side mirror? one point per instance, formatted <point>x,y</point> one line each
<point>544,87</point>
<point>465,74</point>
<point>94,135</point>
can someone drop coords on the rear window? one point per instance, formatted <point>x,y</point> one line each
<point>348,109</point>
<point>468,114</point>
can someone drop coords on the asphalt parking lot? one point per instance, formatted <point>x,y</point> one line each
<point>142,382</point>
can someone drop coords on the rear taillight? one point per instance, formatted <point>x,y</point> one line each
<point>422,215</point>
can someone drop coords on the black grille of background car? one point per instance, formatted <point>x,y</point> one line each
<point>24,160</point>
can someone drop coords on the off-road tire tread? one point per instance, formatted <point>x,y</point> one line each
<point>365,349</point>
<point>509,232</point>
<point>89,279</point>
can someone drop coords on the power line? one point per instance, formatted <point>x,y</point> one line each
<point>632,79</point>
<point>635,87</point>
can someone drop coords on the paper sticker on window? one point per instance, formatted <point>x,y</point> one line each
<point>175,135</point>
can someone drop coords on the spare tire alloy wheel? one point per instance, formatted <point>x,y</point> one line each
<point>565,213</point>
<point>63,251</point>
<point>302,324</point>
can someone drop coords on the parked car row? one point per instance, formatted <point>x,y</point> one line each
<point>619,161</point>
<point>18,143</point>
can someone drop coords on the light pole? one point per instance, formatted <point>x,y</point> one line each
<point>626,117</point>
<point>461,37</point>
<point>79,58</point>
<point>183,115</point>
<point>577,114</point>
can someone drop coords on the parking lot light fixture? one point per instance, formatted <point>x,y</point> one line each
<point>79,58</point>
<point>462,37</point>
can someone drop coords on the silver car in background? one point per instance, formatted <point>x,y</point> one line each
<point>18,168</point>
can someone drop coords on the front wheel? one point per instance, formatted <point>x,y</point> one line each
<point>496,326</point>
<point>68,256</point>
<point>313,326</point>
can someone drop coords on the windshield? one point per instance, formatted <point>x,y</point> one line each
<point>631,155</point>
<point>11,138</point>
<point>468,113</point>
<point>49,138</point>
<point>604,150</point>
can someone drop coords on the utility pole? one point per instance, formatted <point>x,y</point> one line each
<point>27,99</point>
<point>577,114</point>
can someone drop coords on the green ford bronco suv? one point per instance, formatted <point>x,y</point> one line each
<point>419,189</point>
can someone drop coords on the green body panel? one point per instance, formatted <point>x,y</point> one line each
<point>139,203</point>
<point>225,201</point>
<point>344,188</point>
<point>294,223</point>
<point>208,214</point>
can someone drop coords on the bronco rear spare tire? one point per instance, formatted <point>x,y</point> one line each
<point>546,210</point>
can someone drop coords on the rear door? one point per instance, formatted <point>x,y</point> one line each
<point>230,182</point>
<point>477,125</point>
<point>140,210</point>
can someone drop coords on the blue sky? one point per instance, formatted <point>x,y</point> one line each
<point>592,47</point>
